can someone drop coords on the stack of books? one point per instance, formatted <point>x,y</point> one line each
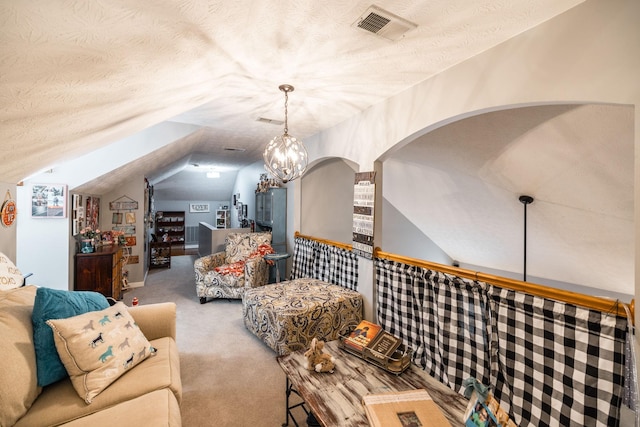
<point>377,346</point>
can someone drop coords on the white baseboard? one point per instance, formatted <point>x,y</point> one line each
<point>135,285</point>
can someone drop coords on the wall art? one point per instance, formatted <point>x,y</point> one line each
<point>49,201</point>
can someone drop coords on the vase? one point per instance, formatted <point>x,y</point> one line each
<point>86,246</point>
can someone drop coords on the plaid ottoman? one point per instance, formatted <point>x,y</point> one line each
<point>288,315</point>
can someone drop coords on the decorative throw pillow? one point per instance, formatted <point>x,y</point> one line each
<point>57,304</point>
<point>98,347</point>
<point>10,276</point>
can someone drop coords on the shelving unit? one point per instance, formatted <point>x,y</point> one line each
<point>222,218</point>
<point>160,255</point>
<point>171,224</point>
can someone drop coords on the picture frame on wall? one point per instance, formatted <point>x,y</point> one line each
<point>130,217</point>
<point>199,207</point>
<point>92,212</point>
<point>49,201</point>
<point>116,218</point>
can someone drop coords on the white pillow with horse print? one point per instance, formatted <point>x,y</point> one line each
<point>96,348</point>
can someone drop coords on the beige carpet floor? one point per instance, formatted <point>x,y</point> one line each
<point>229,377</point>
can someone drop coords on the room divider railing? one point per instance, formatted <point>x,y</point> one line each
<point>324,260</point>
<point>551,357</point>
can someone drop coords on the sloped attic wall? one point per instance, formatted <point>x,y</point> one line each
<point>576,160</point>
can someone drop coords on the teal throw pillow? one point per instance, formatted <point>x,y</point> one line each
<point>57,304</point>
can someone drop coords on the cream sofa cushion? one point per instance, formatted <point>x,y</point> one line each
<point>18,381</point>
<point>98,347</point>
<point>158,408</point>
<point>59,402</point>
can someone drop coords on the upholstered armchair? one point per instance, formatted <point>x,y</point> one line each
<point>240,266</point>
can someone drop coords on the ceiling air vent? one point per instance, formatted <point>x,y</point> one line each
<point>384,24</point>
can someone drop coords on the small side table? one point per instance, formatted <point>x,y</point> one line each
<point>276,258</point>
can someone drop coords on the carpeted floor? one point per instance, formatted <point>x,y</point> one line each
<point>229,376</point>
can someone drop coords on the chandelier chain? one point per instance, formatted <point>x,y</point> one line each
<point>286,112</point>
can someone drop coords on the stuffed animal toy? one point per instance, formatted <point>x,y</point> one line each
<point>317,360</point>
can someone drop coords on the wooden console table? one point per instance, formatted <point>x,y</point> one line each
<point>336,399</point>
<point>100,271</point>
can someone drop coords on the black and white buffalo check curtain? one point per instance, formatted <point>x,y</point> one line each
<point>324,262</point>
<point>549,363</point>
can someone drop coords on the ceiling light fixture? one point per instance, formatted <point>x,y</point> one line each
<point>285,157</point>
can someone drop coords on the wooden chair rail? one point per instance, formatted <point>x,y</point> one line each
<point>606,305</point>
<point>325,241</point>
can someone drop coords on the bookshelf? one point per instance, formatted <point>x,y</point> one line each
<point>171,225</point>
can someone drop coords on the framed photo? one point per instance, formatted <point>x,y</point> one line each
<point>92,212</point>
<point>77,201</point>
<point>199,207</point>
<point>130,217</point>
<point>245,209</point>
<point>116,218</point>
<point>240,210</point>
<point>131,240</point>
<point>49,201</point>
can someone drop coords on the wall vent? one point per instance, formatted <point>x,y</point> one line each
<point>384,24</point>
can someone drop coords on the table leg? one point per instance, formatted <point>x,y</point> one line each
<point>289,390</point>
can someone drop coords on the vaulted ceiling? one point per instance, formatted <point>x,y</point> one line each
<point>77,76</point>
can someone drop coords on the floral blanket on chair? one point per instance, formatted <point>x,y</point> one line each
<point>237,268</point>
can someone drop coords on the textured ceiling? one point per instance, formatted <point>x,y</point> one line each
<point>77,75</point>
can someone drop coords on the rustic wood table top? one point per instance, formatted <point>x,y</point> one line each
<point>336,399</point>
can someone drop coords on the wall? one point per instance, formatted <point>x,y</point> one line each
<point>192,219</point>
<point>327,201</point>
<point>246,184</point>
<point>44,245</point>
<point>132,189</point>
<point>402,237</point>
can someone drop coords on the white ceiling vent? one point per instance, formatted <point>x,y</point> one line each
<point>384,24</point>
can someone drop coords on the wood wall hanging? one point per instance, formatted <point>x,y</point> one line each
<point>123,203</point>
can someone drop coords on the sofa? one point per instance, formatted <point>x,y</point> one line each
<point>241,266</point>
<point>149,391</point>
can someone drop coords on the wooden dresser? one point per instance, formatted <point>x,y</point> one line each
<point>100,271</point>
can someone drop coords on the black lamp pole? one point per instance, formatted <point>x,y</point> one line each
<point>525,200</point>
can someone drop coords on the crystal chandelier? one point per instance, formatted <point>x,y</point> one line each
<point>285,157</point>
